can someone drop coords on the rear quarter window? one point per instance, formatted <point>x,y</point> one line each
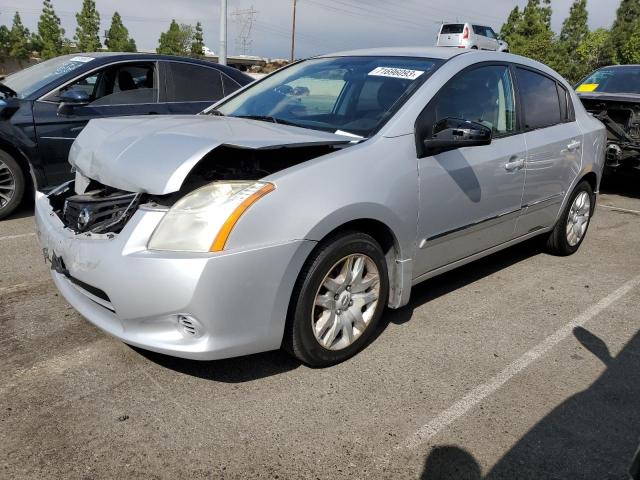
<point>194,83</point>
<point>450,28</point>
<point>540,101</point>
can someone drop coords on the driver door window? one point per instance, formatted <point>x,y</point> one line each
<point>125,84</point>
<point>484,95</point>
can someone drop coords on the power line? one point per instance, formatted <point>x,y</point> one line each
<point>245,19</point>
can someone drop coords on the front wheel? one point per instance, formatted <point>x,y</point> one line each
<point>571,228</point>
<point>338,300</point>
<point>11,184</point>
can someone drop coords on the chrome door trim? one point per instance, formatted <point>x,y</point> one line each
<point>545,202</point>
<point>469,228</point>
<point>477,256</point>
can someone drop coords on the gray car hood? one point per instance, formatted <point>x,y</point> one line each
<point>155,154</point>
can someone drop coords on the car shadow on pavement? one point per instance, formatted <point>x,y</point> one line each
<point>231,370</point>
<point>23,211</point>
<point>593,434</point>
<point>626,184</point>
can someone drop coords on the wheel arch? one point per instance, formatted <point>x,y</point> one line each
<point>398,265</point>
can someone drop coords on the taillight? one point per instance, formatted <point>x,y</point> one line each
<point>465,34</point>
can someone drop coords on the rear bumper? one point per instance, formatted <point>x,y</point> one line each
<point>236,301</point>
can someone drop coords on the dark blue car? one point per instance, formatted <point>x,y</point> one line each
<point>47,105</point>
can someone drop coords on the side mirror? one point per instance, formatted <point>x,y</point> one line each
<point>454,133</point>
<point>71,99</point>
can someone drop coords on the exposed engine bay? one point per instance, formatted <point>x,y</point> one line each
<point>101,209</point>
<point>621,116</point>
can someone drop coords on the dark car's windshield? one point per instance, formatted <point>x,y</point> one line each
<point>31,79</point>
<point>613,80</point>
<point>355,95</point>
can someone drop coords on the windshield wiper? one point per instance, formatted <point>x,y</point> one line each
<point>216,113</point>
<point>268,118</point>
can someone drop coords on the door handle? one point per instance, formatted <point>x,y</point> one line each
<point>513,165</point>
<point>574,145</point>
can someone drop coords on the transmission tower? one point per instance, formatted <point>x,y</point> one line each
<point>244,20</point>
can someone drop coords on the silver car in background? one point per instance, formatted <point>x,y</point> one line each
<point>467,35</point>
<point>293,212</point>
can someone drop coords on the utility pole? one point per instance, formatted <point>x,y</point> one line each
<point>293,33</point>
<point>222,54</point>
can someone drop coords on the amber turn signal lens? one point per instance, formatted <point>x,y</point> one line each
<point>223,235</point>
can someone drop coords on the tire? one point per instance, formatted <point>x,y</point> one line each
<point>474,48</point>
<point>309,324</point>
<point>561,240</point>
<point>12,184</point>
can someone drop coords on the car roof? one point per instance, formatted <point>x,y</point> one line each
<point>442,53</point>
<point>123,56</point>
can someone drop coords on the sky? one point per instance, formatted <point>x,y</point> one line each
<point>322,25</point>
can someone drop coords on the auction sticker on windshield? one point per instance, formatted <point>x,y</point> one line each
<point>396,73</point>
<point>588,87</point>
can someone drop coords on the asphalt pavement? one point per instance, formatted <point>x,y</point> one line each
<point>521,365</point>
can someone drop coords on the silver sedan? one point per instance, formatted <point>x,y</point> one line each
<point>293,212</point>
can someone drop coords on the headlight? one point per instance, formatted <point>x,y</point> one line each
<point>202,220</point>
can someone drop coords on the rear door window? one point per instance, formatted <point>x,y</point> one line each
<point>478,30</point>
<point>452,28</point>
<point>193,83</point>
<point>540,100</point>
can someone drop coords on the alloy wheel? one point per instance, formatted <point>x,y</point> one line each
<point>345,302</point>
<point>578,219</point>
<point>7,184</point>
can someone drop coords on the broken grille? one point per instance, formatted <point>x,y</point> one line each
<point>99,214</point>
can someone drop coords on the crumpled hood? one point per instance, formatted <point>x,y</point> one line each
<point>154,154</point>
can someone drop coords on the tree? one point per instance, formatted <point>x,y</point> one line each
<point>197,46</point>
<point>5,43</point>
<point>623,30</point>
<point>575,30</point>
<point>50,33</point>
<point>509,27</point>
<point>630,52</point>
<point>117,37</point>
<point>529,33</point>
<point>591,54</point>
<point>87,32</point>
<point>177,40</point>
<point>19,44</point>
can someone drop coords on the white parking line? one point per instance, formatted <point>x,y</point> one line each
<point>613,207</point>
<point>13,237</point>
<point>478,394</point>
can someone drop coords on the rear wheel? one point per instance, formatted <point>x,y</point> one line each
<point>11,184</point>
<point>338,300</point>
<point>569,232</point>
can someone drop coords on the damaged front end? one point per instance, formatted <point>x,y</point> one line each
<point>114,178</point>
<point>621,115</point>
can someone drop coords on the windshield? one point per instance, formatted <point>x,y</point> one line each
<point>31,79</point>
<point>354,95</point>
<point>613,80</point>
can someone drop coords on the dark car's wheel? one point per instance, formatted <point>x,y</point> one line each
<point>11,184</point>
<point>571,228</point>
<point>338,299</point>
